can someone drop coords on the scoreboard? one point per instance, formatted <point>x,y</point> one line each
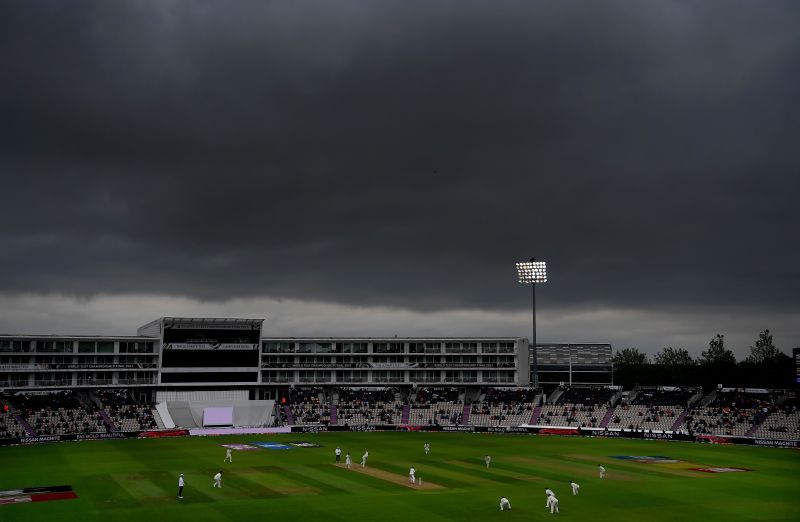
<point>210,350</point>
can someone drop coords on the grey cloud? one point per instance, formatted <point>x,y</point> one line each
<point>405,155</point>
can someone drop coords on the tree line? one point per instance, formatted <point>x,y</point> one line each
<point>765,367</point>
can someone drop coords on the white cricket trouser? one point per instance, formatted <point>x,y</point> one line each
<point>575,490</point>
<point>228,458</point>
<point>218,483</point>
<point>505,505</point>
<point>554,506</point>
<point>412,478</point>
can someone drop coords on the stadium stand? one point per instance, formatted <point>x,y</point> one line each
<point>783,422</point>
<point>309,406</point>
<point>731,412</point>
<point>9,425</point>
<point>58,414</point>
<point>652,409</point>
<point>577,407</point>
<point>360,407</point>
<point>436,406</point>
<point>496,407</point>
<point>724,412</point>
<point>124,412</point>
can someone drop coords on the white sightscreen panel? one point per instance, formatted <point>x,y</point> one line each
<point>217,416</point>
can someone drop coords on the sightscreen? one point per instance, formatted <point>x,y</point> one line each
<point>217,416</point>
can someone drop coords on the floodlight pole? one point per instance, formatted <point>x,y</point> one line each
<point>531,272</point>
<point>533,337</point>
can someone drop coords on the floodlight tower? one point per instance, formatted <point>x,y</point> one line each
<point>532,272</point>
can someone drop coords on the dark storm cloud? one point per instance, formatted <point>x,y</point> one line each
<point>403,153</point>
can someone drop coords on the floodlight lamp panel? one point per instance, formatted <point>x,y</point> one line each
<point>532,271</point>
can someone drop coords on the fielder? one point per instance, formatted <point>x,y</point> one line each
<point>338,454</point>
<point>364,458</point>
<point>228,456</point>
<point>504,504</point>
<point>427,447</point>
<point>488,461</point>
<point>348,460</point>
<point>412,475</point>
<point>602,471</point>
<point>552,503</point>
<point>575,487</point>
<point>181,483</point>
<point>218,480</point>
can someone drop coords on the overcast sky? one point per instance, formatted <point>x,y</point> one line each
<point>376,168</point>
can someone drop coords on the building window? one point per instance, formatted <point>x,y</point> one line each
<point>387,348</point>
<point>135,347</point>
<point>351,376</point>
<point>277,347</point>
<point>86,347</point>
<point>452,376</point>
<point>315,348</point>
<point>505,377</point>
<point>489,347</point>
<point>506,348</point>
<point>281,376</point>
<point>425,376</point>
<point>352,347</point>
<point>45,346</point>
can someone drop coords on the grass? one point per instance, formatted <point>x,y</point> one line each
<point>137,479</point>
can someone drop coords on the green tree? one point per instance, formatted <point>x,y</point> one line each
<point>670,356</point>
<point>764,350</point>
<point>629,357</point>
<point>717,354</point>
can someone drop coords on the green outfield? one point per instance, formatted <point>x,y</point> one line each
<point>123,480</point>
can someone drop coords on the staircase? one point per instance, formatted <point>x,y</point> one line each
<point>608,416</point>
<point>334,412</point>
<point>289,415</point>
<point>465,414</point>
<point>679,421</point>
<point>537,412</point>
<point>27,427</point>
<point>554,396</point>
<point>754,428</point>
<point>107,421</point>
<point>708,398</point>
<point>406,413</point>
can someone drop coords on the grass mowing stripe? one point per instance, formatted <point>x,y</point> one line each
<point>150,486</point>
<point>313,477</point>
<point>496,471</point>
<point>246,487</point>
<point>576,468</point>
<point>277,479</point>
<point>480,474</point>
<point>356,482</point>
